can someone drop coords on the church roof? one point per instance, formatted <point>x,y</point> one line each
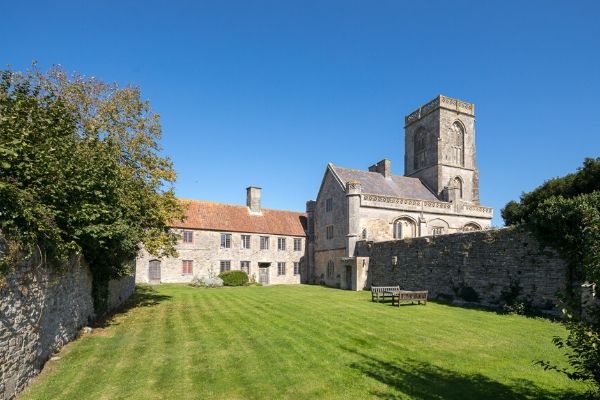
<point>376,183</point>
<point>213,216</point>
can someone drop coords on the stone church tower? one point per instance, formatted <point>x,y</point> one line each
<point>439,142</point>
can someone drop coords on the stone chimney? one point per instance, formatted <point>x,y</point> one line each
<point>384,167</point>
<point>253,199</point>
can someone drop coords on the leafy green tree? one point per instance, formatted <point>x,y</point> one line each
<point>82,171</point>
<point>564,213</point>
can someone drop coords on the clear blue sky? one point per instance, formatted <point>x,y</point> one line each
<point>266,93</point>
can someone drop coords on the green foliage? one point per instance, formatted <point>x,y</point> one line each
<point>234,278</point>
<point>585,180</point>
<point>81,172</point>
<point>564,213</point>
<point>583,344</point>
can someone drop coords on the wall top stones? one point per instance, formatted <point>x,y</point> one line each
<point>440,101</point>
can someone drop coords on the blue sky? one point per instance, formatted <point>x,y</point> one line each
<point>267,92</point>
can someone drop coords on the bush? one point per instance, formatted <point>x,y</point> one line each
<point>207,281</point>
<point>234,278</point>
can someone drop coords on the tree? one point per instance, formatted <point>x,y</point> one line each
<point>564,213</point>
<point>82,171</point>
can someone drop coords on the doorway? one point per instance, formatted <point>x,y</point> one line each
<point>154,271</point>
<point>263,273</point>
<point>348,277</point>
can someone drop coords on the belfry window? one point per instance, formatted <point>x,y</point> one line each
<point>457,144</point>
<point>420,144</point>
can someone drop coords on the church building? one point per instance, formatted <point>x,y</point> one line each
<point>438,194</point>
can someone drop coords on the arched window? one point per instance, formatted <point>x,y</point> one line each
<point>471,226</point>
<point>404,228</point>
<point>420,146</point>
<point>437,227</point>
<point>458,186</point>
<point>457,143</point>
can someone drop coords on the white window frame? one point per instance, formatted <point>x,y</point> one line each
<point>246,241</point>
<point>264,242</point>
<point>281,243</point>
<point>225,240</point>
<point>280,268</point>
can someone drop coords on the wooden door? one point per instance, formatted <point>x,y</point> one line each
<point>154,271</point>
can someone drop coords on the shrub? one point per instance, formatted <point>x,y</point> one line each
<point>234,278</point>
<point>207,281</point>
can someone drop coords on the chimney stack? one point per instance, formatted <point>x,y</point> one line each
<point>384,167</point>
<point>253,199</point>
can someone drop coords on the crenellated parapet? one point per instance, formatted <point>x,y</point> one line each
<point>440,101</point>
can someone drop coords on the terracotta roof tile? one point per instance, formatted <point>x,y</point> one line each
<point>208,215</point>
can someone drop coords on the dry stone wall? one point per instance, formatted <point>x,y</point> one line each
<point>41,310</point>
<point>487,267</point>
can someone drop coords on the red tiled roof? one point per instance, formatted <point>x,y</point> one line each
<point>212,216</point>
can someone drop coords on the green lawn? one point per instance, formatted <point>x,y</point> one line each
<point>303,342</point>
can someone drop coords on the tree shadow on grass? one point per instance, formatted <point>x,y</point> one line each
<point>144,296</point>
<point>419,380</point>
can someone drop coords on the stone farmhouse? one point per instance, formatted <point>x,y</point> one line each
<point>268,244</point>
<point>438,194</point>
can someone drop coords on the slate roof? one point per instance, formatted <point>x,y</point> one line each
<point>376,183</point>
<point>213,216</point>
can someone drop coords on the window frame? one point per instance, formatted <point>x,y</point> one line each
<point>329,232</point>
<point>265,242</point>
<point>330,269</point>
<point>226,244</point>
<point>185,234</point>
<point>243,265</point>
<point>281,268</point>
<point>187,267</point>
<point>329,204</point>
<point>296,268</point>
<point>281,244</point>
<point>297,244</point>
<point>249,244</point>
<point>224,265</point>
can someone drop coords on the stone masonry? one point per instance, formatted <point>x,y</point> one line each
<point>41,310</point>
<point>486,267</point>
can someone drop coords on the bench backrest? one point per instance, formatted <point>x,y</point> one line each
<point>383,288</point>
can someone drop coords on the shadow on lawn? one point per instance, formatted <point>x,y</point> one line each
<point>425,381</point>
<point>144,296</point>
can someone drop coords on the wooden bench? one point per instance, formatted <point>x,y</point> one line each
<point>383,292</point>
<point>409,295</point>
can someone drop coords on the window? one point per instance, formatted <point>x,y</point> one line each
<point>458,187</point>
<point>330,269</point>
<point>245,241</point>
<point>225,265</point>
<point>154,270</point>
<point>329,204</point>
<point>404,228</point>
<point>245,266</point>
<point>225,240</point>
<point>296,268</point>
<point>188,237</point>
<point>471,226</point>
<point>297,244</point>
<point>329,232</point>
<point>281,244</point>
<point>457,140</point>
<point>420,146</point>
<point>187,267</point>
<point>437,230</point>
<point>280,268</point>
<point>264,243</point>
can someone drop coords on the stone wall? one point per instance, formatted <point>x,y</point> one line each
<point>486,267</point>
<point>41,310</point>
